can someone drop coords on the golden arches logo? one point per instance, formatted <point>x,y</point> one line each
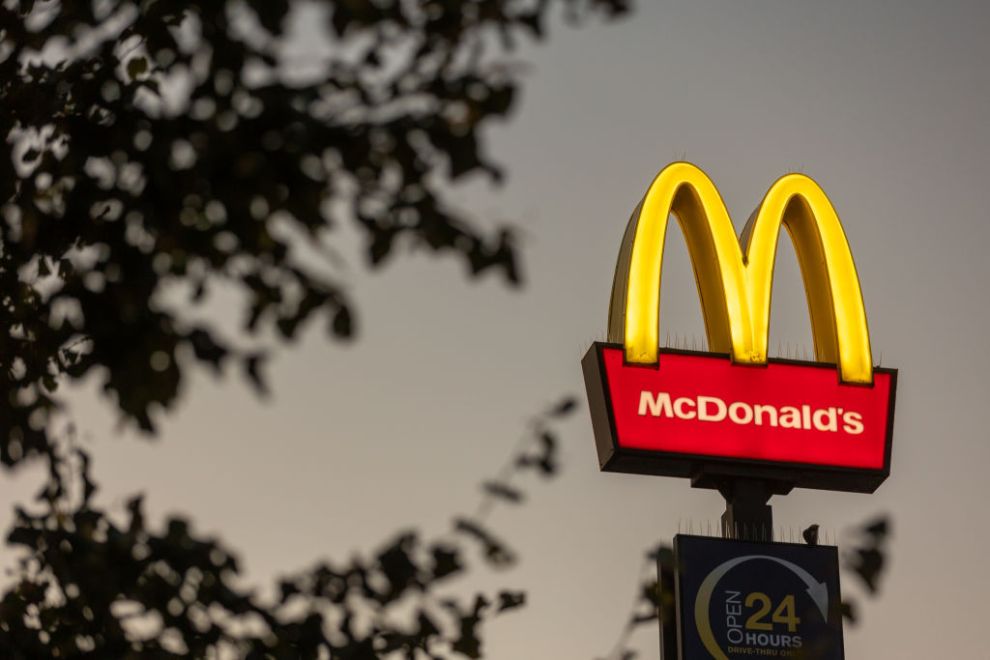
<point>735,277</point>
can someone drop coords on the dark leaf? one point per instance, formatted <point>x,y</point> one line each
<point>446,561</point>
<point>565,407</point>
<point>640,619</point>
<point>662,555</point>
<point>879,529</point>
<point>136,67</point>
<point>848,611</point>
<point>496,552</point>
<point>868,564</point>
<point>252,369</point>
<point>503,491</point>
<point>342,325</point>
<point>509,600</point>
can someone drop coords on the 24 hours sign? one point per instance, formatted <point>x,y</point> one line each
<point>738,599</point>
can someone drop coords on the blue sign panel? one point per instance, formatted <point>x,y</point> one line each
<point>738,599</point>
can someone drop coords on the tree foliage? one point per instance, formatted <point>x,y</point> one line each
<point>156,152</point>
<point>96,585</point>
<point>158,149</point>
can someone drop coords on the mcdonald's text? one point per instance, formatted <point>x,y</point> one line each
<point>714,409</point>
<point>700,409</point>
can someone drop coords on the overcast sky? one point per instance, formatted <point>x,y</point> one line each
<point>886,106</point>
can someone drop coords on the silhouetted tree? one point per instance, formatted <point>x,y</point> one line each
<point>165,145</point>
<point>95,585</point>
<point>155,151</point>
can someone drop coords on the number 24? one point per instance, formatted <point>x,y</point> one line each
<point>783,614</point>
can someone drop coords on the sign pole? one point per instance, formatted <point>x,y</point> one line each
<point>748,516</point>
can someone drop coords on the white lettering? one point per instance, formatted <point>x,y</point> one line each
<point>703,413</point>
<point>733,610</point>
<point>825,419</point>
<point>679,406</point>
<point>790,417</point>
<point>660,404</point>
<point>741,413</point>
<point>768,411</point>
<point>713,409</point>
<point>852,423</point>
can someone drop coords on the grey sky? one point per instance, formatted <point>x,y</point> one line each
<point>885,104</point>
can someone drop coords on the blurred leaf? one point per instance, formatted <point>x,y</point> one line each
<point>868,564</point>
<point>496,552</point>
<point>878,529</point>
<point>446,561</point>
<point>136,67</point>
<point>503,491</point>
<point>510,600</point>
<point>565,407</point>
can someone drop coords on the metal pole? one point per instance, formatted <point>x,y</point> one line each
<point>747,515</point>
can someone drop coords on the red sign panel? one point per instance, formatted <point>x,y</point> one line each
<point>699,411</point>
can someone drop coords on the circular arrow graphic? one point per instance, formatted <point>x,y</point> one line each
<point>818,591</point>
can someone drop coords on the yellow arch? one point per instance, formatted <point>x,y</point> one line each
<point>735,288</point>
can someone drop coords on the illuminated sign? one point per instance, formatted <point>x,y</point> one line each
<point>823,424</point>
<point>741,600</point>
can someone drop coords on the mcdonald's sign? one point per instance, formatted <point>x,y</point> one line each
<point>733,411</point>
